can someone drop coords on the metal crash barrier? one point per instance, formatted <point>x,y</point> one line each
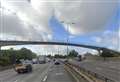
<point>91,74</point>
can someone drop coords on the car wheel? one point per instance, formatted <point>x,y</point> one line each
<point>29,68</point>
<point>19,72</point>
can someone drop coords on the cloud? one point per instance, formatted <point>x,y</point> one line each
<point>32,17</point>
<point>109,39</point>
<point>20,19</point>
<point>88,16</point>
<point>10,24</point>
<point>52,49</point>
<point>42,49</point>
<point>71,36</point>
<point>97,39</point>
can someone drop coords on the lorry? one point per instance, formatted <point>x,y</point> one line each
<point>42,59</point>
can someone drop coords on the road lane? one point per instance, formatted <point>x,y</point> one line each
<point>57,73</point>
<point>41,73</point>
<point>110,70</point>
<point>38,75</point>
<point>12,76</point>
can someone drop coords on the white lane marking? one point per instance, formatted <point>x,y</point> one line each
<point>59,74</point>
<point>45,78</point>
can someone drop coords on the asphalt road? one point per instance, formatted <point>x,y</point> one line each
<point>41,73</point>
<point>107,69</point>
<point>57,73</point>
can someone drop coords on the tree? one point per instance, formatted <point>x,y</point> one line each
<point>25,53</point>
<point>73,53</point>
<point>9,57</point>
<point>59,56</point>
<point>105,54</point>
<point>49,56</point>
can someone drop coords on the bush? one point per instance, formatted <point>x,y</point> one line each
<point>5,61</point>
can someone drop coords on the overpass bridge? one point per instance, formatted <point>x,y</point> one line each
<point>99,49</point>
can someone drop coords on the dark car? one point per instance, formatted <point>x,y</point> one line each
<point>66,60</point>
<point>57,63</point>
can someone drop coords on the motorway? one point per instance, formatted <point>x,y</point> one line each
<point>107,69</point>
<point>41,73</point>
<point>56,73</point>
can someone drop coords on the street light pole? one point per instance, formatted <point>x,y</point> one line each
<point>0,51</point>
<point>67,38</point>
<point>67,24</point>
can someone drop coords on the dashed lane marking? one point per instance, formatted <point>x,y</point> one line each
<point>59,74</point>
<point>45,78</point>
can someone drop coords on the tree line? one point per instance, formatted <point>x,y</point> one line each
<point>71,54</point>
<point>8,57</point>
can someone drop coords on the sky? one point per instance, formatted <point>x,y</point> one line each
<point>91,22</point>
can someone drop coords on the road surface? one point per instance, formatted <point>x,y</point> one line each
<point>41,73</point>
<point>58,74</point>
<point>107,69</point>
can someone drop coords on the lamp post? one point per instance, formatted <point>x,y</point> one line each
<point>0,51</point>
<point>67,39</point>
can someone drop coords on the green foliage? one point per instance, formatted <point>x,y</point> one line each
<point>59,56</point>
<point>4,61</point>
<point>106,53</point>
<point>73,53</point>
<point>49,56</point>
<point>7,57</point>
<point>25,54</point>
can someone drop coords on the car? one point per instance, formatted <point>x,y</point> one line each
<point>23,66</point>
<point>57,63</point>
<point>66,60</point>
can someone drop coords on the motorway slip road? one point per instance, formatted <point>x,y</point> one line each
<point>41,73</point>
